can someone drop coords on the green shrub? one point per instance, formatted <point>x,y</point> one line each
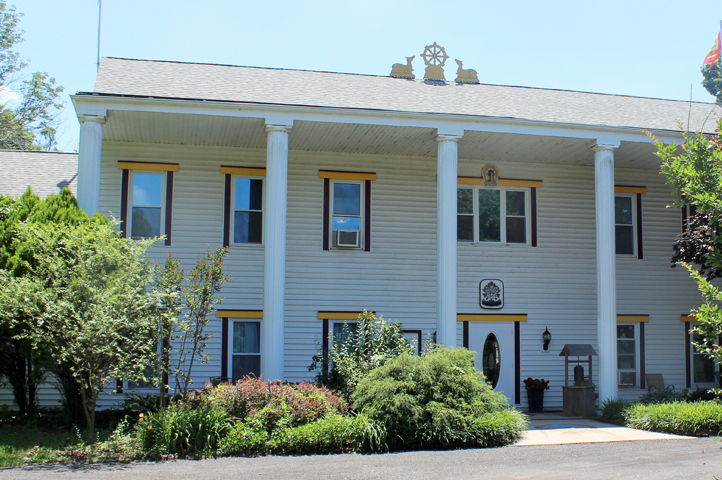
<point>668,395</point>
<point>243,440</point>
<point>439,400</point>
<point>275,404</point>
<point>183,429</point>
<point>698,418</point>
<point>335,434</point>
<point>369,344</point>
<point>702,394</point>
<point>612,410</point>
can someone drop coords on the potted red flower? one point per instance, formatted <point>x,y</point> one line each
<point>535,393</point>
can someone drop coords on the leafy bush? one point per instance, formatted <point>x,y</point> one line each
<point>668,395</point>
<point>183,429</point>
<point>702,394</point>
<point>698,418</point>
<point>136,403</point>
<point>369,345</point>
<point>612,410</point>
<point>335,434</point>
<point>439,400</point>
<point>274,403</point>
<point>244,440</point>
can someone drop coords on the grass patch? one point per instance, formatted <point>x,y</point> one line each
<point>681,418</point>
<point>17,442</point>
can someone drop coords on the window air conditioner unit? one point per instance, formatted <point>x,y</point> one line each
<point>627,378</point>
<point>346,238</point>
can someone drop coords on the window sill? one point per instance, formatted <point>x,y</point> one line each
<point>494,244</point>
<point>254,246</point>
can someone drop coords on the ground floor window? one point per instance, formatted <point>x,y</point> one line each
<point>246,349</point>
<point>704,370</point>
<point>627,354</point>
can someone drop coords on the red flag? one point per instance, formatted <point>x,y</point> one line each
<point>713,54</point>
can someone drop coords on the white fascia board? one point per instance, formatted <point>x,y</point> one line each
<point>91,104</point>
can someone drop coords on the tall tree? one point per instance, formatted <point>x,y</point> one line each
<point>28,123</point>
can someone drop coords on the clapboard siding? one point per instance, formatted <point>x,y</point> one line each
<point>554,283</point>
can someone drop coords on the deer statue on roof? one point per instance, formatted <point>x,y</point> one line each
<point>399,70</point>
<point>465,76</point>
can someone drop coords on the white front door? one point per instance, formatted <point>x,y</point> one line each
<point>493,343</point>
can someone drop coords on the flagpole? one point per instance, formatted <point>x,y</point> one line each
<point>100,10</point>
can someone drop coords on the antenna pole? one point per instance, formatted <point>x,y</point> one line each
<point>100,9</point>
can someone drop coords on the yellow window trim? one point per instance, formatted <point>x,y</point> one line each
<point>502,182</point>
<point>339,315</point>
<point>632,318</point>
<point>490,317</point>
<point>623,189</point>
<point>260,171</point>
<point>239,313</point>
<point>688,318</point>
<point>156,167</point>
<point>346,175</point>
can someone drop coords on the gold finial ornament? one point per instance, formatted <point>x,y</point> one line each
<point>399,70</point>
<point>435,57</point>
<point>465,75</point>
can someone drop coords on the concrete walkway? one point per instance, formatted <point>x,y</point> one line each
<point>556,429</point>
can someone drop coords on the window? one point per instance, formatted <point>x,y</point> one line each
<point>625,217</point>
<point>346,210</point>
<point>704,370</point>
<point>413,338</point>
<point>346,214</point>
<point>146,204</point>
<point>340,331</point>
<point>493,215</point>
<point>627,354</point>
<point>247,210</point>
<point>246,349</point>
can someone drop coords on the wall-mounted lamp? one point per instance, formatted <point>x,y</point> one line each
<point>546,338</point>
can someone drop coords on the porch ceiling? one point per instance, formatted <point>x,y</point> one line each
<point>221,131</point>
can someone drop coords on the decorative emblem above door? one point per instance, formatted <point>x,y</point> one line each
<point>491,293</point>
<point>490,175</point>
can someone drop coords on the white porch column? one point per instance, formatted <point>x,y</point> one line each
<point>274,239</point>
<point>89,155</point>
<point>606,270</point>
<point>447,178</point>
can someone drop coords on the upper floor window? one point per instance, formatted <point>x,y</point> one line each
<point>146,203</point>
<point>346,210</point>
<point>493,215</point>
<point>625,219</point>
<point>248,210</point>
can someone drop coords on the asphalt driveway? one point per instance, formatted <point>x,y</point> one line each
<point>648,459</point>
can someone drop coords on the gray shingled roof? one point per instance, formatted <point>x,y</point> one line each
<point>46,172</point>
<point>146,78</point>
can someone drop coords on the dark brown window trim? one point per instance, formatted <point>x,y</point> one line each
<point>640,242</point>
<point>517,363</point>
<point>224,347</point>
<point>419,336</point>
<point>642,360</point>
<point>119,386</point>
<point>227,212</point>
<point>465,334</point>
<point>688,355</point>
<point>533,218</point>
<point>327,214</point>
<point>124,200</point>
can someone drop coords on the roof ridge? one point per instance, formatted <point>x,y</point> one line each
<point>3,150</point>
<point>416,80</point>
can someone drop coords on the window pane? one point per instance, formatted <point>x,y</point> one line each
<point>145,222</point>
<point>246,337</point>
<point>147,189</point>
<point>625,331</point>
<point>246,365</point>
<point>623,210</point>
<point>624,239</point>
<point>347,198</point>
<point>516,230</point>
<point>465,227</point>
<point>626,346</point>
<point>248,227</point>
<point>489,211</point>
<point>346,223</point>
<point>703,369</point>
<point>515,204</point>
<point>625,362</point>
<point>465,201</point>
<point>249,194</point>
<point>342,330</point>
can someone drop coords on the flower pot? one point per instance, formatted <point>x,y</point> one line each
<point>536,399</point>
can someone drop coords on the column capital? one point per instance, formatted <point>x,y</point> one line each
<point>605,145</point>
<point>270,127</point>
<point>92,118</point>
<point>443,137</point>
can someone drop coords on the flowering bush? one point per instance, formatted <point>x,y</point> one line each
<point>536,384</point>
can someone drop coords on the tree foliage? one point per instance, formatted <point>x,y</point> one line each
<point>31,124</point>
<point>712,80</point>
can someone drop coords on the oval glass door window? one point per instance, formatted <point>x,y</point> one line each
<point>491,360</point>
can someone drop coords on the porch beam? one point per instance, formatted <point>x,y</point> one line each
<point>446,267</point>
<point>274,239</point>
<point>606,269</point>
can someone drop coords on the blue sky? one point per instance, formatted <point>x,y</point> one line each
<point>632,47</point>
